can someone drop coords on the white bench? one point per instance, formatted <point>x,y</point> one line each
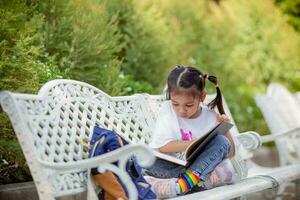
<point>50,125</point>
<point>281,110</point>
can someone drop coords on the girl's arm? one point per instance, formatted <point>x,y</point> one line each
<point>175,146</point>
<point>232,149</point>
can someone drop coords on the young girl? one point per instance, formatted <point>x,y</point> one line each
<point>182,119</point>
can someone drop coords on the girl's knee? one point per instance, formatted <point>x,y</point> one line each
<point>221,140</point>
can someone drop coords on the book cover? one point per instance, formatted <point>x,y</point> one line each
<point>196,147</point>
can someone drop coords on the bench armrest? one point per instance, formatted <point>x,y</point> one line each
<point>250,140</point>
<point>269,138</point>
<point>105,162</point>
<point>143,153</point>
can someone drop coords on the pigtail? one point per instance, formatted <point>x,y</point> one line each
<point>217,101</point>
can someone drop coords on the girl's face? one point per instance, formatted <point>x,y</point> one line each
<point>185,105</point>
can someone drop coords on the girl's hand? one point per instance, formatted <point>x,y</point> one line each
<point>213,178</point>
<point>225,118</point>
<point>222,117</point>
<point>175,146</point>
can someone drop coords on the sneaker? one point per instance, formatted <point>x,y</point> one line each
<point>163,188</point>
<point>223,174</point>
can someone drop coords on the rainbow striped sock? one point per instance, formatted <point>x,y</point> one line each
<point>187,181</point>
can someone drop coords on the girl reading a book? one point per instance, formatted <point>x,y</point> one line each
<point>182,119</point>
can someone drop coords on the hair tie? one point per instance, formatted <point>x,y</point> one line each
<point>217,85</point>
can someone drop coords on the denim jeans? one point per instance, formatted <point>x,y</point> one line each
<point>213,154</point>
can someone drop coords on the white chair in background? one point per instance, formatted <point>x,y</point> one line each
<point>281,110</point>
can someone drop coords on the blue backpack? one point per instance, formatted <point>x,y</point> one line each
<point>104,141</point>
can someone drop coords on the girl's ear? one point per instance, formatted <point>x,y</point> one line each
<point>203,95</point>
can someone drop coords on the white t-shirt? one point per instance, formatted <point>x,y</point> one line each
<point>168,125</point>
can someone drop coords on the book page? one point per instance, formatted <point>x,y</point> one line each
<point>170,158</point>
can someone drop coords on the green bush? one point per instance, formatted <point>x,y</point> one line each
<point>292,9</point>
<point>24,67</point>
<point>247,44</point>
<point>267,51</point>
<point>148,51</point>
<point>13,167</point>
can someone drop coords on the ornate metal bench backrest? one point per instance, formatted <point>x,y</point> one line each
<point>51,125</point>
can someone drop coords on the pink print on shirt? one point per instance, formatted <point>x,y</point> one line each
<point>186,136</point>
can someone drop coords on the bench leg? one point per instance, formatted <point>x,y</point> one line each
<point>297,189</point>
<point>270,193</point>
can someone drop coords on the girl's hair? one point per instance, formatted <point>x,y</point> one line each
<point>190,79</point>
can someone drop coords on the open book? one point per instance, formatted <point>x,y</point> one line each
<point>196,148</point>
